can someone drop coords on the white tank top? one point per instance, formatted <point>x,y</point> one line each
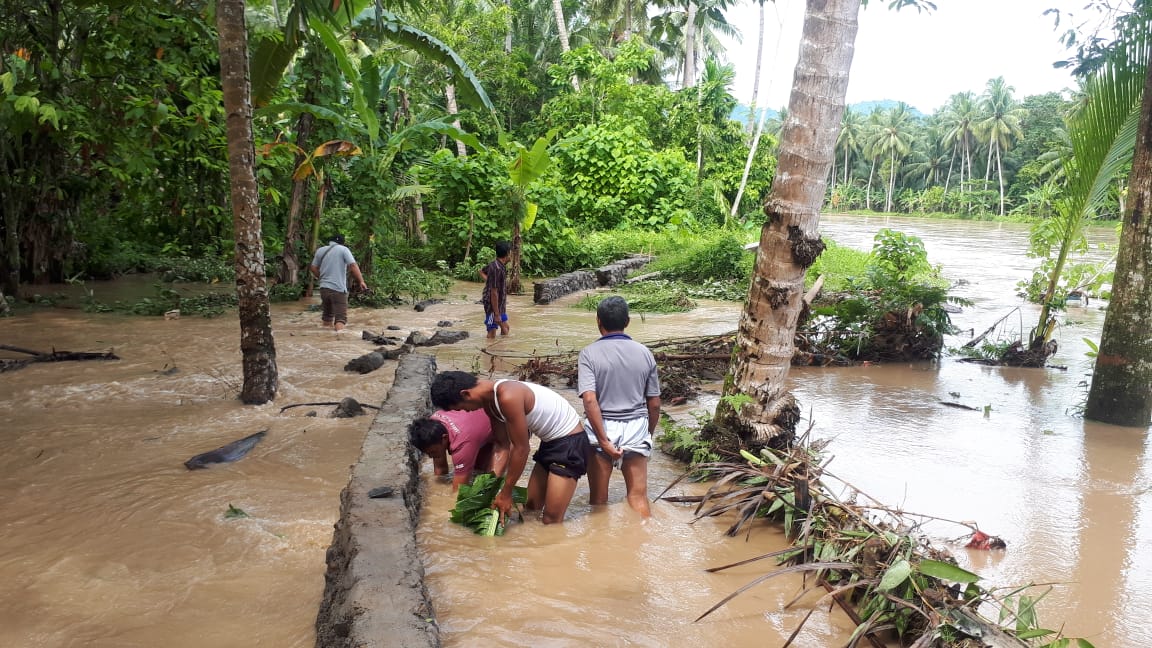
<point>551,417</point>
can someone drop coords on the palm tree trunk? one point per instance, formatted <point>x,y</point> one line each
<point>948,178</point>
<point>454,110</point>
<point>891,182</point>
<point>748,164</point>
<point>868,191</point>
<point>759,62</point>
<point>689,78</point>
<point>1121,390</point>
<point>789,239</point>
<point>257,348</point>
<point>1000,174</point>
<point>562,32</point>
<point>508,33</point>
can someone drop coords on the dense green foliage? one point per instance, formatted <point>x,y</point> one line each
<point>894,310</point>
<point>402,130</point>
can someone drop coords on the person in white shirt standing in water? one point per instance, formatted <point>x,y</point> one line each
<point>331,265</point>
<point>620,387</point>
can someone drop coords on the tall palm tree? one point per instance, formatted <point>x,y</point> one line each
<point>257,348</point>
<point>892,140</point>
<point>714,105</point>
<point>1121,389</point>
<point>850,140</point>
<point>1000,128</point>
<point>959,123</point>
<point>562,32</point>
<point>688,31</point>
<point>789,239</point>
<point>623,17</point>
<point>929,159</point>
<point>759,62</point>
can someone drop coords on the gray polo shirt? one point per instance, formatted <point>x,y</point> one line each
<point>622,373</point>
<point>334,260</point>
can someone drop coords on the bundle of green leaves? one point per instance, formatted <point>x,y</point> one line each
<point>474,504</point>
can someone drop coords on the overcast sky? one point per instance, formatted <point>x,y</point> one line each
<point>918,58</point>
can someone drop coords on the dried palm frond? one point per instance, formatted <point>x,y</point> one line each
<point>872,561</point>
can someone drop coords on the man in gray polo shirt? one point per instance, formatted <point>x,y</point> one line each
<point>620,388</point>
<point>331,266</point>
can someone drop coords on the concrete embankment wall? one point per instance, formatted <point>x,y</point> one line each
<point>374,594</point>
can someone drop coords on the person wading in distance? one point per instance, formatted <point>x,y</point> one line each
<point>331,265</point>
<point>495,297</point>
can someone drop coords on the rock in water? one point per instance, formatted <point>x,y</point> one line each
<point>348,408</point>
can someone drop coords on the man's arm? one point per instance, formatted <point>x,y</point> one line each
<point>653,413</point>
<point>315,271</point>
<point>596,420</point>
<point>516,424</point>
<point>499,448</point>
<point>355,268</point>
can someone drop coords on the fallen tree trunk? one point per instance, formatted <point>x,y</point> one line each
<point>8,364</point>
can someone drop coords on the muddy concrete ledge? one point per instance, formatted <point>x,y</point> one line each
<point>374,594</point>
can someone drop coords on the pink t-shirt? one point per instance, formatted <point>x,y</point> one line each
<point>468,432</point>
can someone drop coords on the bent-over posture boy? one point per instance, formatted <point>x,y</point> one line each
<point>518,410</point>
<point>467,436</point>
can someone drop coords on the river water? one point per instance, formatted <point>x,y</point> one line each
<point>109,541</point>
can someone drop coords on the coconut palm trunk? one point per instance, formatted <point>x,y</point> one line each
<point>689,78</point>
<point>562,32</point>
<point>789,240</point>
<point>454,110</point>
<point>1121,391</point>
<point>258,351</point>
<point>756,78</point>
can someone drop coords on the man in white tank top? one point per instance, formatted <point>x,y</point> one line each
<point>518,410</point>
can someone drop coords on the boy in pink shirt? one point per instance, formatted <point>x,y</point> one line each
<point>467,436</point>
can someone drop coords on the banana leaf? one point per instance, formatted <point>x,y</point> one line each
<point>474,505</point>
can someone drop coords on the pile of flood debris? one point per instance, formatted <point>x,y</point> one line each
<point>874,562</point>
<point>685,363</point>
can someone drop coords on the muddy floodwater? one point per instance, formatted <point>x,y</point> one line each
<point>109,541</point>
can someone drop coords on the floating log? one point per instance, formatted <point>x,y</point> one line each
<point>48,356</point>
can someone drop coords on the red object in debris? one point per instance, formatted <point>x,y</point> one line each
<point>981,540</point>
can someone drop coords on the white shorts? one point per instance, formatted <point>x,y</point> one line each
<point>631,437</point>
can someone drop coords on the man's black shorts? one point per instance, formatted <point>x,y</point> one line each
<point>567,457</point>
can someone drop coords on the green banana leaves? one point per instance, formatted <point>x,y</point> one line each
<point>474,505</point>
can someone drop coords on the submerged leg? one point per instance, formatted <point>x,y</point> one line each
<point>558,497</point>
<point>635,469</point>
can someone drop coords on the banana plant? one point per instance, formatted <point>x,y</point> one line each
<point>327,20</point>
<point>1103,136</point>
<point>526,166</point>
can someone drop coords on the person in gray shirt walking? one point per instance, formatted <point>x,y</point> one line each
<point>331,265</point>
<point>620,388</point>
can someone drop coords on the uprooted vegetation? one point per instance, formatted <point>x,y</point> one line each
<point>871,561</point>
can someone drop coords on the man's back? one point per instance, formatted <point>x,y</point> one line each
<point>623,375</point>
<point>332,261</point>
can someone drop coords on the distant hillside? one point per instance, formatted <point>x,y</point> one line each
<point>740,113</point>
<point>865,107</point>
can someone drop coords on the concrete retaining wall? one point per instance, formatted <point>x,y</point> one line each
<point>554,288</point>
<point>374,594</point>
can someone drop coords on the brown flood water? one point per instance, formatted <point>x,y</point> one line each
<point>109,541</point>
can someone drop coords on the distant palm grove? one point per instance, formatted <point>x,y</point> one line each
<point>426,131</point>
